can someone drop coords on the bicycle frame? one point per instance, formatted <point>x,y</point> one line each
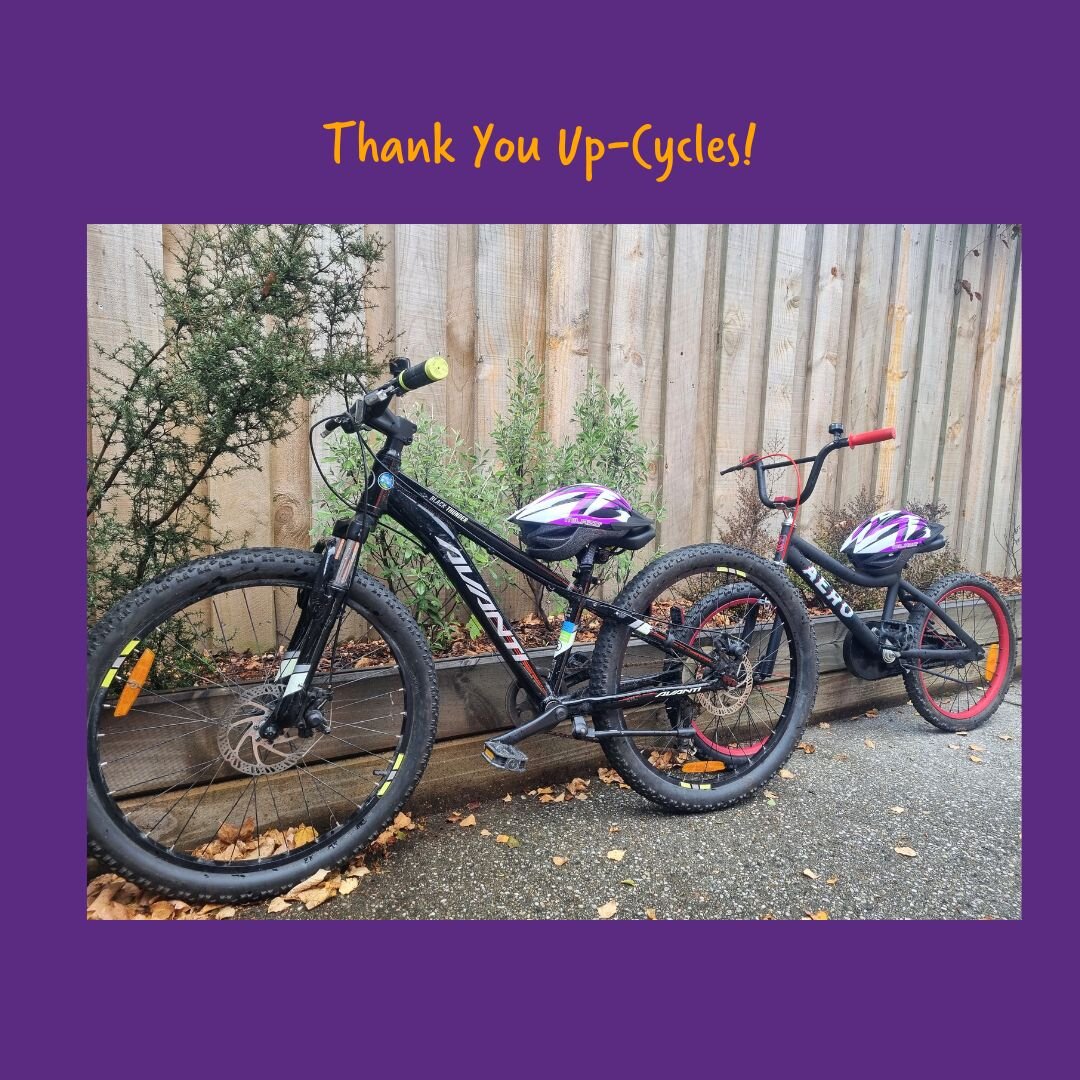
<point>439,527</point>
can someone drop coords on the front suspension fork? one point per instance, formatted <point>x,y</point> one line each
<point>321,607</point>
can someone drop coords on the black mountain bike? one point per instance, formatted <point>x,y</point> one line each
<point>260,714</point>
<point>956,646</point>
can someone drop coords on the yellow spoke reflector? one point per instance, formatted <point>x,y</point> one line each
<point>991,661</point>
<point>135,682</point>
<point>704,766</point>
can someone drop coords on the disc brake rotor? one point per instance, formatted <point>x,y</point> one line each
<point>731,698</point>
<point>245,749</point>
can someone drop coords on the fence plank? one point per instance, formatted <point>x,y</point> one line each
<point>420,305</point>
<point>827,349</point>
<point>566,350</point>
<point>986,389</point>
<point>744,300</point>
<point>953,443</point>
<point>866,354</point>
<point>778,403</point>
<point>922,432</point>
<point>461,317</point>
<point>1000,554</point>
<point>903,342</point>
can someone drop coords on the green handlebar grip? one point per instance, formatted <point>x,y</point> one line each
<point>430,371</point>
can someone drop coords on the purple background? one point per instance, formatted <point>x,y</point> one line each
<point>187,115</point>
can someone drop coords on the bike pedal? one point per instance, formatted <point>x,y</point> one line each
<point>504,756</point>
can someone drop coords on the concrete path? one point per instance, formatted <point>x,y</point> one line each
<point>834,818</point>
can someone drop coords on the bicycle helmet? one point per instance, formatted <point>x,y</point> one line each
<point>563,522</point>
<point>882,542</point>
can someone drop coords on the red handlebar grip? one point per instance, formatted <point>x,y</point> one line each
<point>881,435</point>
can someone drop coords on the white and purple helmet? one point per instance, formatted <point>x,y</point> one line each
<point>562,522</point>
<point>878,543</point>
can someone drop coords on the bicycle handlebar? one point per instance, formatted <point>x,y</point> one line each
<point>758,464</point>
<point>367,411</point>
<point>880,435</point>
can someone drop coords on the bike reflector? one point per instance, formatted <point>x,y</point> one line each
<point>991,661</point>
<point>135,682</point>
<point>703,766</point>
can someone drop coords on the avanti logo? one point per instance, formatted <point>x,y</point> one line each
<point>487,605</point>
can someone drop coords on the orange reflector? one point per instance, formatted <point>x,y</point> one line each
<point>704,766</point>
<point>135,682</point>
<point>991,661</point>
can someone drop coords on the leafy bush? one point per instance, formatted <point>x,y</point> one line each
<point>255,316</point>
<point>439,460</point>
<point>525,463</point>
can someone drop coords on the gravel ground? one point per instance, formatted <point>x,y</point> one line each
<point>961,817</point>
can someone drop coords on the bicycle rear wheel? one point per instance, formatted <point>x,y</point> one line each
<point>740,734</point>
<point>961,695</point>
<point>183,794</point>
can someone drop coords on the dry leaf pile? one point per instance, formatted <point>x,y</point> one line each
<point>110,897</point>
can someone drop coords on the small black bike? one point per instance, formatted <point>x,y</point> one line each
<point>260,714</point>
<point>955,646</point>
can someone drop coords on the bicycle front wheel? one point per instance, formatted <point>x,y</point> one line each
<point>183,794</point>
<point>709,749</point>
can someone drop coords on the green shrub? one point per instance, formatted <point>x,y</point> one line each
<point>525,462</point>
<point>254,316</point>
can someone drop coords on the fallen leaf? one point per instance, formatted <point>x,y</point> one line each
<point>907,852</point>
<point>616,855</point>
<point>543,791</point>
<point>312,882</point>
<point>975,757</point>
<point>825,724</point>
<point>225,913</point>
<point>650,914</point>
<point>767,917</point>
<point>786,774</point>
<point>473,805</point>
<point>870,712</point>
<point>502,838</point>
<point>465,823</point>
<point>348,885</point>
<point>811,874</point>
<point>807,748</point>
<point>278,904</point>
<point>454,817</point>
<point>954,746</point>
<point>605,911</point>
<point>357,871</point>
<point>819,916</point>
<point>628,881</point>
<point>831,880</point>
<point>304,835</point>
<point>559,860</point>
<point>868,743</point>
<point>485,832</point>
<point>314,897</point>
<point>1005,738</point>
<point>977,749</point>
<point>508,798</point>
<point>614,829</point>
<point>161,910</point>
<point>770,795</point>
<point>227,833</point>
<point>898,809</point>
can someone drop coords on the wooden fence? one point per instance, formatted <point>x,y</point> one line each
<point>728,338</point>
